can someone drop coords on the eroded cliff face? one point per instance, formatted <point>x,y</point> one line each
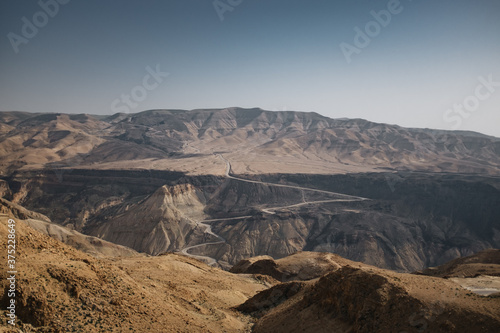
<point>419,221</point>
<point>410,221</point>
<point>72,197</point>
<point>371,237</point>
<point>277,235</point>
<point>165,221</point>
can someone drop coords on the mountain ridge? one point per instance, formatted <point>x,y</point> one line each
<point>255,140</point>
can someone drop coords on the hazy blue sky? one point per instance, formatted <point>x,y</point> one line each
<point>273,54</point>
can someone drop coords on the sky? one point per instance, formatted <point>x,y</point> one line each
<point>414,63</point>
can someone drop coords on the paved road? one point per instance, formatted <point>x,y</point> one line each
<point>228,175</point>
<point>208,228</point>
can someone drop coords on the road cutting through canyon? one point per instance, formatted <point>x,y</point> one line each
<point>208,228</point>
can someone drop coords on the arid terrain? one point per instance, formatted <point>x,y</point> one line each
<point>254,140</point>
<point>268,183</point>
<point>61,289</point>
<point>239,219</point>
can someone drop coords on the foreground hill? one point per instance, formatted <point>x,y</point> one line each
<point>300,266</point>
<point>60,289</point>
<point>256,141</point>
<point>353,299</point>
<point>327,293</point>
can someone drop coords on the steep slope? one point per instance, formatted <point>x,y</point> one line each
<point>91,245</point>
<point>88,244</point>
<point>17,211</point>
<point>60,289</point>
<point>165,221</point>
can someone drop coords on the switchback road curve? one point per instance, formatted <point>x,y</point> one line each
<point>208,229</point>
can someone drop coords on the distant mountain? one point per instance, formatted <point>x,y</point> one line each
<point>256,141</point>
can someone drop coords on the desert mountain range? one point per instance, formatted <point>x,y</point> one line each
<point>295,221</point>
<point>254,140</point>
<point>269,183</point>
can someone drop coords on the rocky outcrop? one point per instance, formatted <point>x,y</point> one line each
<point>164,221</point>
<point>371,300</point>
<point>264,265</point>
<point>486,262</point>
<point>300,266</point>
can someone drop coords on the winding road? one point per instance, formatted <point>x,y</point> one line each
<point>228,175</point>
<point>208,228</point>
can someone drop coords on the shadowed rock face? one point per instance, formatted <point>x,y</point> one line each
<point>486,262</point>
<point>426,221</point>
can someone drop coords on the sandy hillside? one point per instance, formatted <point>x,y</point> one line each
<point>60,289</point>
